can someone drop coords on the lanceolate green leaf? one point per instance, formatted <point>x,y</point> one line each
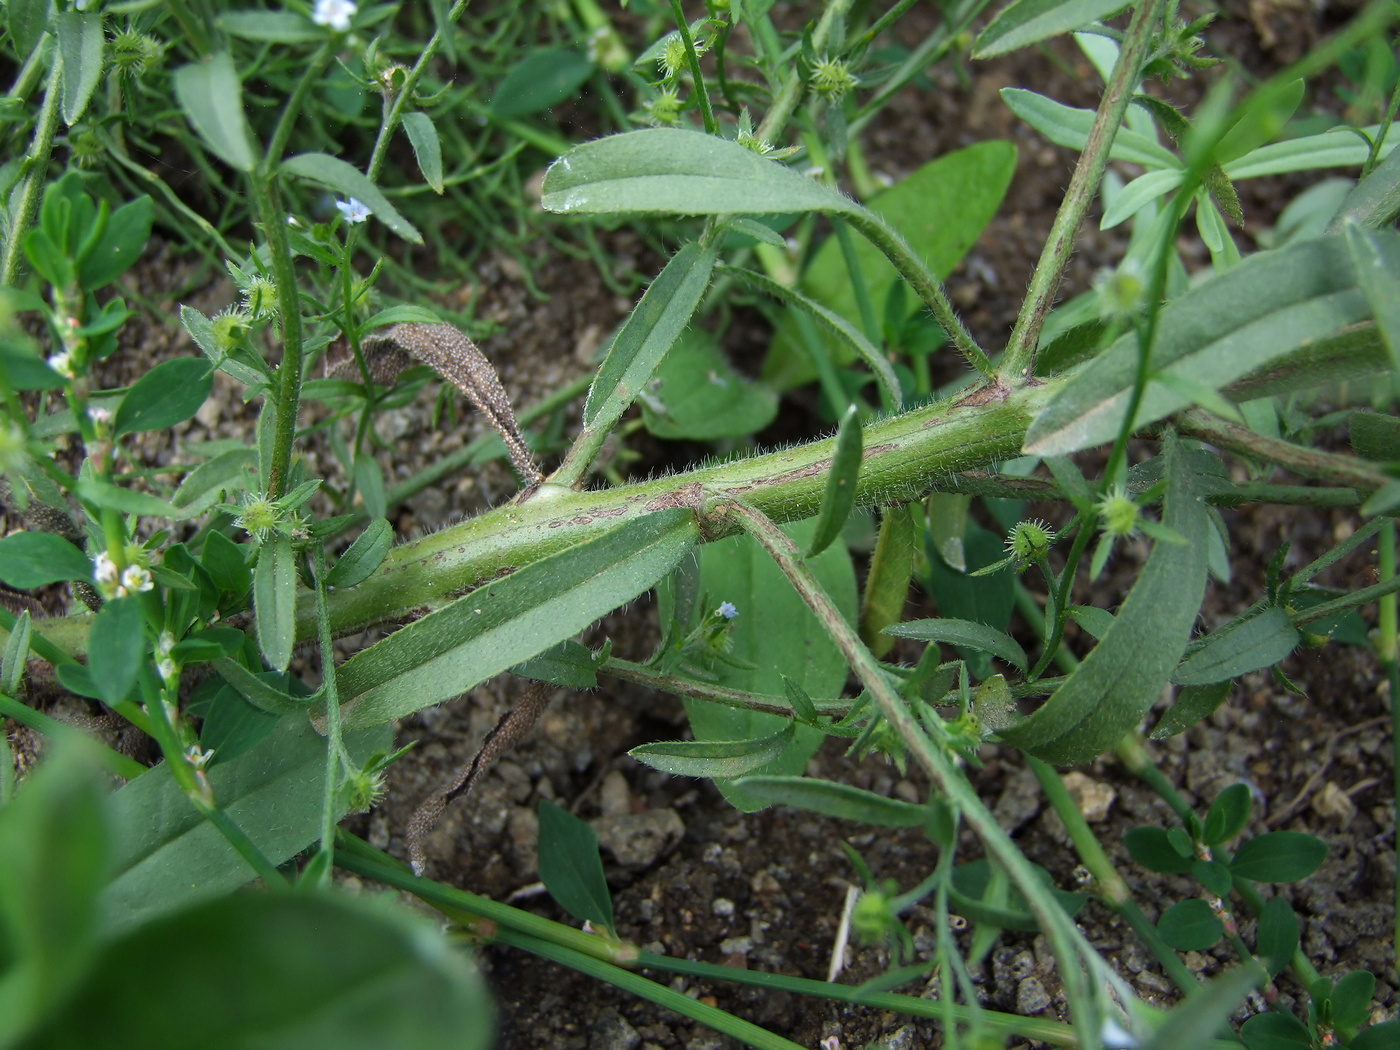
<point>364,555</point>
<point>713,759</point>
<point>964,632</point>
<point>32,559</point>
<point>211,96</point>
<point>1268,306</point>
<point>347,179</point>
<point>680,173</point>
<point>653,327</point>
<point>80,42</point>
<point>1109,692</point>
<point>168,856</point>
<point>116,649</point>
<point>1377,261</point>
<point>274,600</point>
<point>423,137</point>
<point>510,620</point>
<point>1027,21</point>
<point>840,494</point>
<point>1069,127</point>
<point>570,867</point>
<point>1237,649</point>
<point>836,800</point>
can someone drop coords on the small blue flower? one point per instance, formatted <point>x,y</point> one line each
<point>727,610</point>
<point>353,210</point>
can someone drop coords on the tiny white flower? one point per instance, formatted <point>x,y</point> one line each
<point>334,13</point>
<point>99,415</point>
<point>168,670</point>
<point>136,579</point>
<point>165,643</point>
<point>62,363</point>
<point>104,575</point>
<point>198,757</point>
<point>353,210</point>
<point>727,610</point>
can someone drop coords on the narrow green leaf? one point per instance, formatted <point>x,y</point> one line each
<point>1279,856</point>
<point>257,688</point>
<point>116,648</point>
<point>835,800</point>
<point>540,80</point>
<point>211,96</point>
<point>1093,619</point>
<point>228,472</point>
<point>33,559</point>
<point>364,555</point>
<point>1192,704</point>
<point>1277,935</point>
<point>274,600</point>
<point>1375,435</point>
<point>369,483</point>
<point>351,181</point>
<point>967,633</point>
<point>169,393</point>
<point>1227,815</point>
<point>272,27</point>
<point>570,867</point>
<point>1109,692</point>
<point>1338,148</point>
<point>1270,305</point>
<point>509,620</point>
<point>840,494</point>
<point>653,327</point>
<point>1375,202</point>
<point>713,759</point>
<point>103,494</point>
<point>16,655</point>
<point>1196,1023</point>
<point>1190,925</point>
<point>168,856</point>
<point>80,42</point>
<point>26,19</point>
<point>427,151</point>
<point>1144,189</point>
<point>1377,261</point>
<point>1383,500</point>
<point>680,173</point>
<point>1196,393</point>
<point>1238,648</point>
<point>1026,22</point>
<point>1069,127</point>
<point>128,229</point>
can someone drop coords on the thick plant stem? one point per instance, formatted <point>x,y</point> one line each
<point>36,164</point>
<point>1019,360</point>
<point>287,396</point>
<point>1329,466</point>
<point>939,762</point>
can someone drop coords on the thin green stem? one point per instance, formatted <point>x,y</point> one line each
<point>36,166</point>
<point>926,286</point>
<point>1329,466</point>
<point>335,747</point>
<point>286,398</point>
<point>1354,600</point>
<point>692,60</point>
<point>291,109</point>
<point>939,760</point>
<point>113,761</point>
<point>1112,889</point>
<point>1019,360</point>
<point>246,847</point>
